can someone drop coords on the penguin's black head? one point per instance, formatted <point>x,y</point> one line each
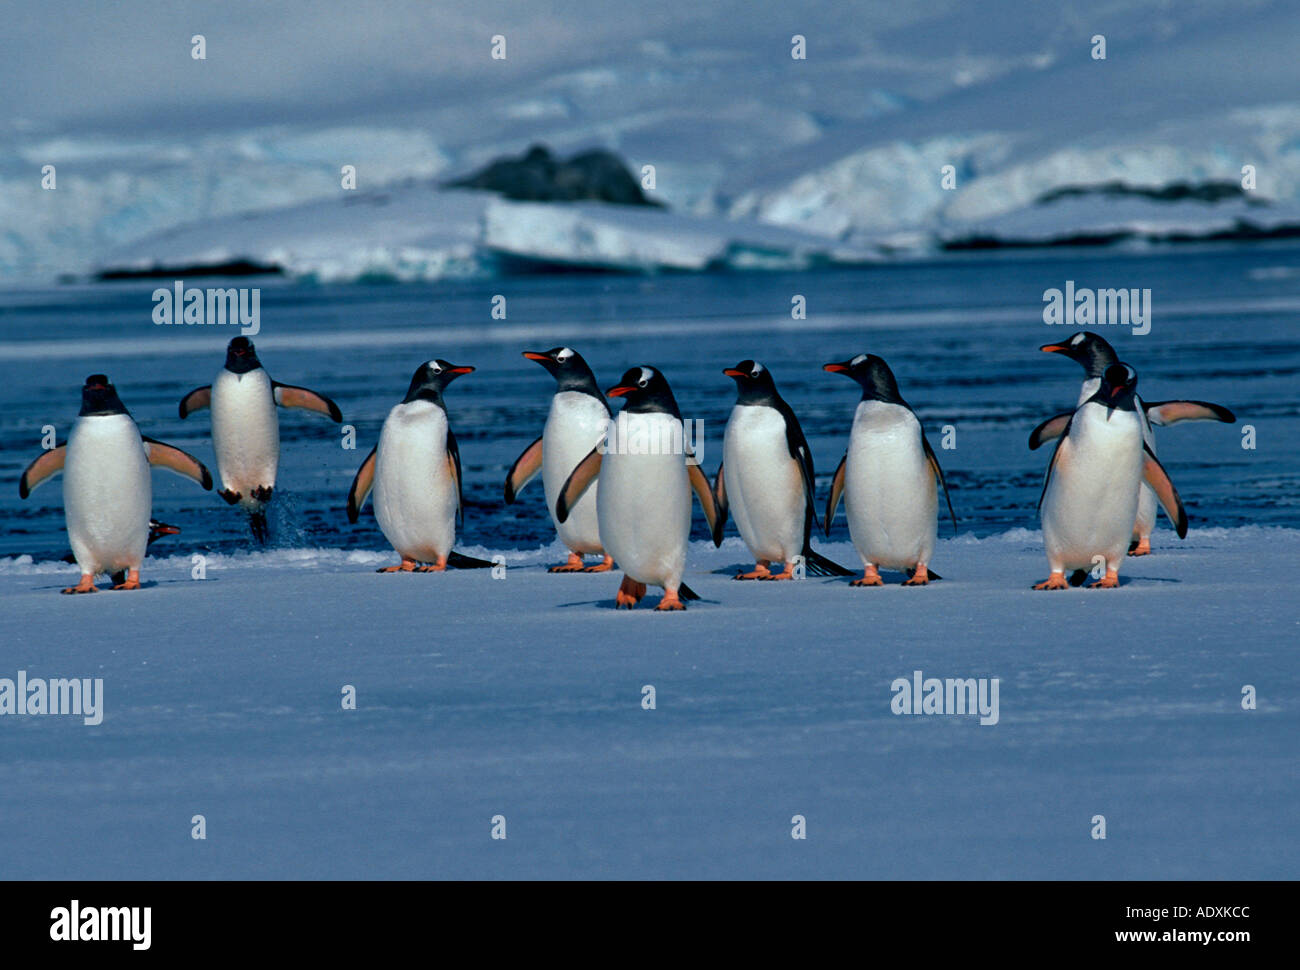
<point>1118,387</point>
<point>1089,351</point>
<point>241,357</point>
<point>754,384</point>
<point>431,378</point>
<point>98,396</point>
<point>873,376</point>
<point>568,368</point>
<point>645,390</point>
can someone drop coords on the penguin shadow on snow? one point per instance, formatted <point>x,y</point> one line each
<point>645,606</point>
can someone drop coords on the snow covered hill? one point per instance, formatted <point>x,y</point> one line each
<point>845,147</point>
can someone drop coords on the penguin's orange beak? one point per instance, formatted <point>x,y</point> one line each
<point>1053,348</point>
<point>620,391</point>
<point>540,358</point>
<point>734,372</point>
<point>836,368</point>
<point>462,369</point>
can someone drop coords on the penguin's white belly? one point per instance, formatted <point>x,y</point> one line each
<point>644,505</point>
<point>107,493</point>
<point>575,423</point>
<point>764,486</point>
<point>414,490</point>
<point>890,492</point>
<point>245,432</point>
<point>1091,500</point>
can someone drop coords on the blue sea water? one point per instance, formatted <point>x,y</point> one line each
<point>961,335</point>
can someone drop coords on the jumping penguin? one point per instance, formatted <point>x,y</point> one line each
<point>246,428</point>
<point>647,473</point>
<point>1094,354</point>
<point>415,475</point>
<point>579,417</point>
<point>766,479</point>
<point>1090,493</point>
<point>889,478</point>
<point>107,491</point>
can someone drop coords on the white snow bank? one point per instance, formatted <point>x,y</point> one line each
<point>522,697</point>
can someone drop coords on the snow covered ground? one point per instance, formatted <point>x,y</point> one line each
<point>521,697</point>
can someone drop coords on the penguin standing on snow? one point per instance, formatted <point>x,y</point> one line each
<point>1094,354</point>
<point>766,478</point>
<point>889,478</point>
<point>643,508</point>
<point>415,475</point>
<point>579,417</point>
<point>1090,494</point>
<point>107,491</point>
<point>246,428</point>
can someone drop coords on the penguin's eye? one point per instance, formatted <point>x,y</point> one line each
<point>642,383</point>
<point>754,373</point>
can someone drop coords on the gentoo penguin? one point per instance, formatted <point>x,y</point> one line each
<point>579,417</point>
<point>1095,354</point>
<point>415,474</point>
<point>246,428</point>
<point>643,507</point>
<point>156,531</point>
<point>107,492</point>
<point>888,477</point>
<point>766,478</point>
<point>1090,494</point>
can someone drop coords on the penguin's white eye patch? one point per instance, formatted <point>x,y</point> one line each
<point>433,366</point>
<point>564,353</point>
<point>1076,339</point>
<point>860,359</point>
<point>642,382</point>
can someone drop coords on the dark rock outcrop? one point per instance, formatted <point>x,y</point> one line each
<point>539,176</point>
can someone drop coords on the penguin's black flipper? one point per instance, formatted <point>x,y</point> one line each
<point>818,565</point>
<point>458,560</point>
<point>686,593</point>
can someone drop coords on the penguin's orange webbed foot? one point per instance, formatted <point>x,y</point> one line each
<point>574,565</point>
<point>760,571</point>
<point>1054,581</point>
<point>603,567</point>
<point>788,573</point>
<point>670,601</point>
<point>870,577</point>
<point>87,585</point>
<point>1142,548</point>
<point>230,496</point>
<point>919,578</point>
<point>406,566</point>
<point>629,594</point>
<point>263,493</point>
<point>440,566</point>
<point>132,580</point>
<point>1109,581</point>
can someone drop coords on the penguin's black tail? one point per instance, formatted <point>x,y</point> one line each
<point>686,593</point>
<point>257,522</point>
<point>815,564</point>
<point>458,560</point>
<point>1077,577</point>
